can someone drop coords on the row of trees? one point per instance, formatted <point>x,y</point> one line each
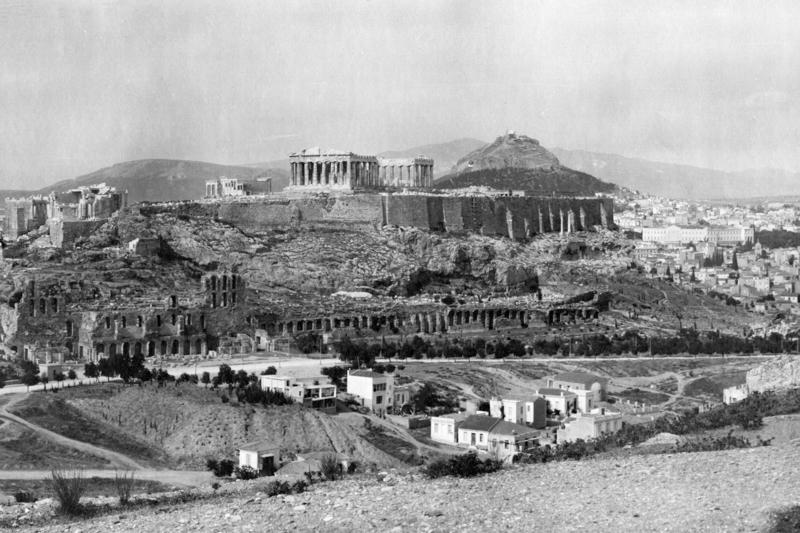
<point>631,342</point>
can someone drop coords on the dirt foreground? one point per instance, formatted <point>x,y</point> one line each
<point>716,491</point>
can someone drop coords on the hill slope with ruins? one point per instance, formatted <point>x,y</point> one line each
<point>158,180</point>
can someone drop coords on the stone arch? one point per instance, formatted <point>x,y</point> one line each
<point>214,282</point>
<point>68,326</point>
<point>126,348</point>
<point>176,347</point>
<point>187,347</point>
<point>42,306</point>
<point>163,347</point>
<point>137,348</point>
<point>100,350</point>
<point>224,282</point>
<point>151,349</point>
<point>173,301</point>
<point>224,299</point>
<point>54,305</point>
<point>112,349</point>
<point>198,346</point>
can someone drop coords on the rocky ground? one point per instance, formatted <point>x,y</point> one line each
<point>734,490</point>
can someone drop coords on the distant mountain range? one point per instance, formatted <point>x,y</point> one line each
<point>534,168</point>
<point>681,181</point>
<point>161,179</point>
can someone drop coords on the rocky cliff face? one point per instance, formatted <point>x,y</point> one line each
<point>508,151</point>
<point>780,373</point>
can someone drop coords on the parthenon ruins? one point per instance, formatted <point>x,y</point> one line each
<point>335,169</point>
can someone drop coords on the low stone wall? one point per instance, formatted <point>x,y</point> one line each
<point>65,232</point>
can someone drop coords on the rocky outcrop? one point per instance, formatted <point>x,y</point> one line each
<point>780,373</point>
<point>508,151</point>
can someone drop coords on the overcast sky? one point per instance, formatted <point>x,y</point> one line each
<point>87,84</point>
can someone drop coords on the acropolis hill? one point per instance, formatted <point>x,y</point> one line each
<point>239,271</point>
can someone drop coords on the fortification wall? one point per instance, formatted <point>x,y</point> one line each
<point>407,210</point>
<point>65,232</point>
<point>514,217</point>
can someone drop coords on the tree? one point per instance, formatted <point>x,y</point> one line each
<point>735,262</point>
<point>425,396</point>
<point>335,374</point>
<point>44,379</point>
<point>105,368</point>
<point>226,374</point>
<point>271,370</point>
<point>205,379</point>
<point>90,370</point>
<point>71,374</point>
<point>60,376</point>
<point>30,378</point>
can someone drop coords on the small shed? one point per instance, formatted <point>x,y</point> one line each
<point>263,456</point>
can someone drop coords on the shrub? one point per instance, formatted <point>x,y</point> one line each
<point>225,398</point>
<point>246,472</point>
<point>465,465</point>
<point>330,467</point>
<point>215,486</point>
<point>123,484</point>
<point>24,496</point>
<point>277,487</point>
<point>68,487</point>
<point>299,486</point>
<point>223,468</point>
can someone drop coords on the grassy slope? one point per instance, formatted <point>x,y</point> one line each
<point>538,181</point>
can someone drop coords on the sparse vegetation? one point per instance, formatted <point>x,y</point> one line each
<point>245,472</point>
<point>330,467</point>
<point>123,484</point>
<point>68,487</point>
<point>464,465</point>
<point>221,468</point>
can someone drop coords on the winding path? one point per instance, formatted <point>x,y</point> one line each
<point>117,459</point>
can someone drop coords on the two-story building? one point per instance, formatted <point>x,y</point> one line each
<point>373,390</point>
<point>445,428</point>
<point>315,392</point>
<point>559,402</point>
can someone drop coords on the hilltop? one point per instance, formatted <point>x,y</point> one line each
<point>155,180</point>
<point>519,162</point>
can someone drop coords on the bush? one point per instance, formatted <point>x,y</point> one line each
<point>246,472</point>
<point>24,496</point>
<point>123,484</point>
<point>68,487</point>
<point>223,468</point>
<point>465,465</point>
<point>330,467</point>
<point>277,487</point>
<point>786,520</point>
<point>299,486</point>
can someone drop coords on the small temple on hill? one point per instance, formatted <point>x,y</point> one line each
<point>314,168</point>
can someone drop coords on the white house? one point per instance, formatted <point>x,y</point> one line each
<point>262,456</point>
<point>559,401</point>
<point>473,432</point>
<point>445,428</point>
<point>507,438</point>
<point>587,426</point>
<point>520,411</point>
<point>590,389</point>
<point>315,392</point>
<point>373,390</point>
<point>734,394</point>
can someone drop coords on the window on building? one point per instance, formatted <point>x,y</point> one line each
<point>69,328</point>
<point>449,429</point>
<point>188,319</point>
<point>203,321</point>
<point>139,321</point>
<point>379,399</point>
<point>108,322</point>
<point>174,319</point>
<point>124,322</point>
<point>158,322</point>
<point>480,437</point>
